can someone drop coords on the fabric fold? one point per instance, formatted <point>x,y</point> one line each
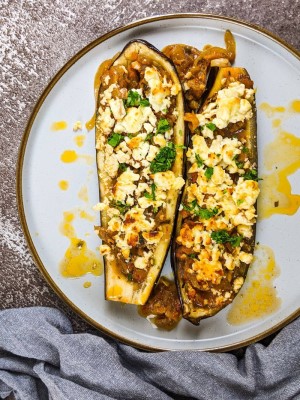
<point>41,358</point>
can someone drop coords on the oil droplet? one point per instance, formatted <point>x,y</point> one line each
<point>271,110</point>
<point>90,124</point>
<point>295,105</point>
<point>66,227</point>
<point>59,126</point>
<point>258,297</point>
<point>84,215</point>
<point>87,284</point>
<point>79,260</point>
<point>79,140</point>
<point>63,185</point>
<point>276,123</point>
<point>83,194</point>
<point>69,156</point>
<point>282,158</point>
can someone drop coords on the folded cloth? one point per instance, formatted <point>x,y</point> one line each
<point>41,358</point>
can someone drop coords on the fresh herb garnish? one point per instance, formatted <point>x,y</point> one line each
<point>202,213</point>
<point>251,175</point>
<point>223,236</point>
<point>123,167</point>
<point>240,201</point>
<point>129,276</point>
<point>144,103</point>
<point>209,172</point>
<point>199,160</point>
<point>151,196</point>
<point>114,139</point>
<point>163,126</point>
<point>149,137</point>
<point>245,150</point>
<point>134,99</point>
<point>193,255</point>
<point>164,159</point>
<point>122,207</point>
<point>180,146</point>
<point>130,135</point>
<point>239,164</point>
<point>211,126</point>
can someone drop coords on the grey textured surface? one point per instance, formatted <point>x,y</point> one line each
<point>36,39</point>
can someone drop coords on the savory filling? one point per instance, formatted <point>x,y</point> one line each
<point>136,118</point>
<point>218,209</point>
<point>193,66</point>
<point>163,309</point>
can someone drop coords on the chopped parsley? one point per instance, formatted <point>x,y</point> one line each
<point>144,103</point>
<point>164,159</point>
<point>192,255</point>
<point>149,137</point>
<point>123,167</point>
<point>129,276</point>
<point>180,146</point>
<point>211,126</point>
<point>245,150</point>
<point>122,207</point>
<point>223,236</point>
<point>134,99</point>
<point>239,164</point>
<point>163,126</point>
<point>114,139</point>
<point>209,172</point>
<point>151,196</point>
<point>251,175</point>
<point>202,213</point>
<point>199,160</point>
<point>240,201</point>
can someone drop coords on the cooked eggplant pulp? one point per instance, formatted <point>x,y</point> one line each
<point>140,135</point>
<point>215,229</point>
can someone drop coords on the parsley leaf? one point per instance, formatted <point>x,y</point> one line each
<point>149,137</point>
<point>223,236</point>
<point>145,103</point>
<point>192,255</point>
<point>134,99</point>
<point>122,207</point>
<point>251,175</point>
<point>163,126</point>
<point>209,172</point>
<point>123,167</point>
<point>239,164</point>
<point>211,126</point>
<point>199,160</point>
<point>114,139</point>
<point>164,159</point>
<point>151,196</point>
<point>202,213</point>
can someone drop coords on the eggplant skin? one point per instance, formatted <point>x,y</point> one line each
<point>126,280</point>
<point>215,229</point>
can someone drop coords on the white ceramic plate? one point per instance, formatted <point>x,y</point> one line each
<point>275,70</point>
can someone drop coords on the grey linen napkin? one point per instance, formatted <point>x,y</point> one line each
<point>41,358</point>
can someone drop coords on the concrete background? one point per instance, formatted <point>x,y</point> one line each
<point>36,40</point>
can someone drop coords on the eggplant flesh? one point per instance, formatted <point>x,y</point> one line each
<point>215,230</point>
<point>140,133</point>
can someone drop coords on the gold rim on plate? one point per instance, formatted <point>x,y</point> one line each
<point>22,150</point>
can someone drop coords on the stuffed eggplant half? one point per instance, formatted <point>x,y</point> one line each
<point>215,232</point>
<point>139,142</point>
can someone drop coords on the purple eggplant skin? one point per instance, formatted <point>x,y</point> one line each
<point>130,294</point>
